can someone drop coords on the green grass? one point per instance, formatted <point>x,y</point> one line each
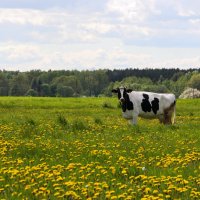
<point>81,148</point>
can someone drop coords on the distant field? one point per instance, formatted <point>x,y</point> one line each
<point>81,148</point>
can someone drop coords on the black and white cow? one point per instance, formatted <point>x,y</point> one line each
<point>146,105</point>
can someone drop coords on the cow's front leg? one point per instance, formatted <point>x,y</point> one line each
<point>134,120</point>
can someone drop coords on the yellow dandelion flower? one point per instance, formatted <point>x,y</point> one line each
<point>72,194</point>
<point>123,187</point>
<point>27,187</point>
<point>121,196</point>
<point>160,195</point>
<point>129,197</point>
<point>155,191</point>
<point>114,197</point>
<point>56,193</point>
<point>59,178</point>
<point>147,190</point>
<point>113,170</point>
<point>56,184</point>
<point>124,172</point>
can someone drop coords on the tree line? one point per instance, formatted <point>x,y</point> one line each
<point>68,83</point>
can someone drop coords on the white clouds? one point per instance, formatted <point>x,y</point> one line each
<point>23,17</point>
<point>133,10</point>
<point>188,8</point>
<point>134,21</point>
<point>45,57</point>
<point>107,36</point>
<point>75,33</point>
<point>14,53</point>
<point>98,27</point>
<point>55,25</point>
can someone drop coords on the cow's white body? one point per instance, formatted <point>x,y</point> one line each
<point>136,97</point>
<point>146,105</point>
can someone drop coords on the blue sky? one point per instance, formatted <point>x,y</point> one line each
<point>93,34</point>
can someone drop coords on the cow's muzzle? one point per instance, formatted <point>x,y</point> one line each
<point>122,100</point>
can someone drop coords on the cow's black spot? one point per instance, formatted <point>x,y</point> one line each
<point>155,105</point>
<point>119,94</point>
<point>146,96</point>
<point>127,104</point>
<point>123,105</point>
<point>146,106</point>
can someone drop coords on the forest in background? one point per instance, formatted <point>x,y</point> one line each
<point>73,83</point>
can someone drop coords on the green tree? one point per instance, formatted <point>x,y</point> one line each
<point>53,90</point>
<point>107,90</point>
<point>194,82</point>
<point>70,81</point>
<point>156,88</point>
<point>45,90</point>
<point>65,91</point>
<point>36,84</point>
<point>179,86</point>
<point>19,85</point>
<point>32,93</point>
<point>176,76</point>
<point>101,78</point>
<point>91,83</point>
<point>4,85</point>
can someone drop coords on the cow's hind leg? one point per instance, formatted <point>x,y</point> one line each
<point>167,117</point>
<point>168,113</point>
<point>161,119</point>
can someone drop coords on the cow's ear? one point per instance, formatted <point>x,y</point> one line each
<point>114,90</point>
<point>129,90</point>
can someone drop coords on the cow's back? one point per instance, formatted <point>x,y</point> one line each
<point>149,103</point>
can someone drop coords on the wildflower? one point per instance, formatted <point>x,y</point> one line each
<point>56,193</point>
<point>72,194</point>
<point>113,170</point>
<point>147,190</point>
<point>109,193</point>
<point>70,166</point>
<point>114,197</point>
<point>96,194</point>
<point>129,197</point>
<point>124,172</point>
<point>105,185</point>
<point>143,168</point>
<point>160,195</point>
<point>155,191</point>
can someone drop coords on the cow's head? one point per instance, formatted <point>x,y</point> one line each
<point>122,93</point>
<point>124,98</point>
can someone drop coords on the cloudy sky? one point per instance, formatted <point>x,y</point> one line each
<point>93,34</point>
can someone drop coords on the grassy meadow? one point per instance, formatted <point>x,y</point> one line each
<point>81,148</point>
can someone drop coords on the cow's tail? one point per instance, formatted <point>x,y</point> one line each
<point>174,112</point>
